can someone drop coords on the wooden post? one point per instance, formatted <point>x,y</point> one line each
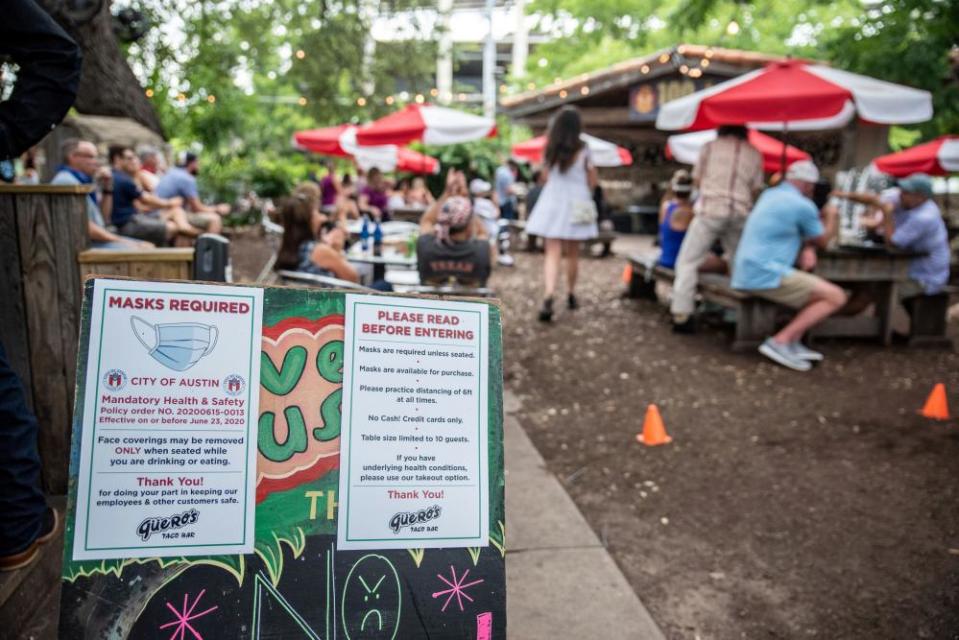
<point>42,230</point>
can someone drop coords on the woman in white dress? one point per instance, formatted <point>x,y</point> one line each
<point>564,214</point>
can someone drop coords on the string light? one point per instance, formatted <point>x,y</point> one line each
<point>557,80</point>
<point>420,99</point>
<point>390,99</point>
<point>681,49</point>
<point>531,86</point>
<point>181,97</point>
<point>434,92</point>
<point>683,69</point>
<point>149,93</point>
<point>301,101</point>
<point>584,91</point>
<point>664,58</point>
<point>361,102</point>
<point>503,88</point>
<point>709,53</point>
<point>704,62</point>
<point>644,68</point>
<point>300,54</point>
<point>732,28</point>
<point>542,62</point>
<point>563,93</point>
<point>211,98</point>
<point>695,73</point>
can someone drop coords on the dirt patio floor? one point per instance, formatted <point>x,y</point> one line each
<point>787,506</point>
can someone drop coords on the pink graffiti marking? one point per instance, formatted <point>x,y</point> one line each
<point>484,626</point>
<point>457,588</point>
<point>184,618</point>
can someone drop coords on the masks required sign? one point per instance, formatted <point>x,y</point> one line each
<point>167,463</point>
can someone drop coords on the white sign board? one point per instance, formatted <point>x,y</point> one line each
<point>414,465</point>
<point>168,450</point>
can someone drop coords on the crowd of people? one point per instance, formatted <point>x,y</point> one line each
<point>724,218</point>
<point>461,233</point>
<point>137,203</point>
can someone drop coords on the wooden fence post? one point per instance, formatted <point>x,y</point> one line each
<point>42,230</point>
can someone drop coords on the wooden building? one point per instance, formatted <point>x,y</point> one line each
<point>621,103</point>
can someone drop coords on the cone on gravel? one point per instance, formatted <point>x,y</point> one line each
<point>627,273</point>
<point>936,407</point>
<point>654,431</point>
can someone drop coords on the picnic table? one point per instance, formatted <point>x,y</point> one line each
<point>380,259</point>
<point>880,267</point>
<point>407,214</point>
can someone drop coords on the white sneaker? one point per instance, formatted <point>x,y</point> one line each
<point>803,352</point>
<point>783,354</point>
<point>505,260</point>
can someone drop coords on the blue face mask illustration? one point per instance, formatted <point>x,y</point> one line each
<point>176,345</point>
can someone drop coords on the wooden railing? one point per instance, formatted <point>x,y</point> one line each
<point>151,264</point>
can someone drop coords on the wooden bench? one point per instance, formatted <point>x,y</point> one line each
<point>756,317</point>
<point>454,290</point>
<point>321,282</point>
<point>928,320</point>
<point>145,264</point>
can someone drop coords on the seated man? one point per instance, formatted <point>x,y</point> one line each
<point>141,214</point>
<point>80,165</point>
<point>455,186</point>
<point>180,182</point>
<point>449,253</point>
<point>151,168</point>
<point>912,221</point>
<point>782,220</point>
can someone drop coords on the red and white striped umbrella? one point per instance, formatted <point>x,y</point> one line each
<point>799,94</point>
<point>340,141</point>
<point>426,123</point>
<point>602,152</point>
<point>685,148</point>
<point>937,158</point>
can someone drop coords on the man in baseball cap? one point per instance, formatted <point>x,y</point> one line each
<point>911,220</point>
<point>781,232</point>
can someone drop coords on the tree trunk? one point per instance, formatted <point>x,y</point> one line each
<point>107,84</point>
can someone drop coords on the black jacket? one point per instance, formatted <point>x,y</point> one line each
<point>47,80</point>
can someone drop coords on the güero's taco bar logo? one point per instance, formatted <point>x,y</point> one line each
<point>414,518</point>
<point>150,526</point>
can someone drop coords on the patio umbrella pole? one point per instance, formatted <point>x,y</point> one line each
<point>782,165</point>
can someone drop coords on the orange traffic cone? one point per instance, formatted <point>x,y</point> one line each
<point>936,406</point>
<point>627,273</point>
<point>654,431</point>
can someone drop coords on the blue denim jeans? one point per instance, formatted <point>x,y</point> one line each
<point>22,504</point>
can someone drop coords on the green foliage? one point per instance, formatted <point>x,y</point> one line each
<point>595,35</point>
<point>903,41</point>
<point>906,41</point>
<point>234,79</point>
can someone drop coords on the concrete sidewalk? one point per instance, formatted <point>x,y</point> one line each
<point>560,581</point>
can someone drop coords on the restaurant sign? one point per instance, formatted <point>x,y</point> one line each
<point>646,98</point>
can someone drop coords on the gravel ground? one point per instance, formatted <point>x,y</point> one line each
<point>787,506</point>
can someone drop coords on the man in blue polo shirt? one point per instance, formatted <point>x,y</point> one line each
<point>784,227</point>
